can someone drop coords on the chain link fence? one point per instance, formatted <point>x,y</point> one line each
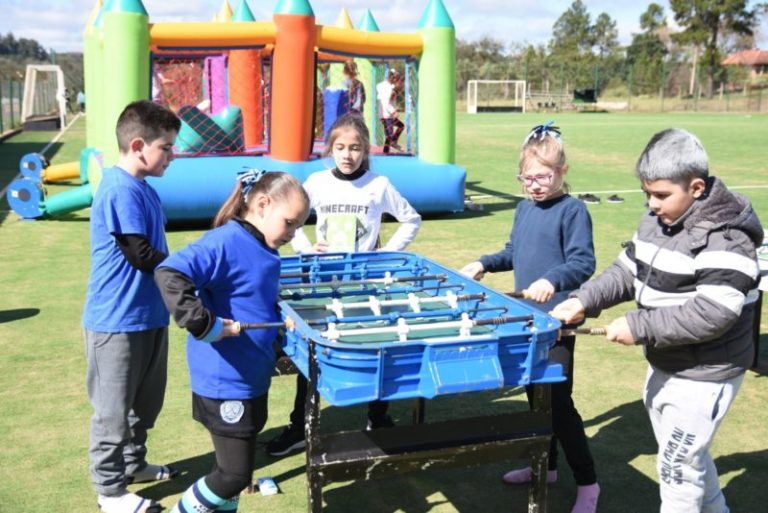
<point>11,93</point>
<point>675,87</point>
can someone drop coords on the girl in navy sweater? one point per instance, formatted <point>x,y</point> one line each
<point>550,249</point>
<point>232,274</point>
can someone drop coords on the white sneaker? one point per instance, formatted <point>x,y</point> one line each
<point>128,503</point>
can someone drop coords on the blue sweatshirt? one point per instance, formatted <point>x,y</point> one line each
<point>236,277</point>
<point>552,240</point>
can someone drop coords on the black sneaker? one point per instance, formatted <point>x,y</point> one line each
<point>382,421</point>
<point>291,439</point>
<point>589,198</point>
<point>615,199</point>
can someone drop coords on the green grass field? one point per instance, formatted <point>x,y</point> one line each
<point>45,411</point>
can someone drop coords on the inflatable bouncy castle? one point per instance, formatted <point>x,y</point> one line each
<point>261,94</point>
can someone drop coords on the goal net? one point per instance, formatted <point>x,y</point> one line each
<point>496,96</point>
<point>44,95</point>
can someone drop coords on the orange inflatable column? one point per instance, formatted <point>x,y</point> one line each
<point>293,81</point>
<point>245,83</point>
<point>245,92</point>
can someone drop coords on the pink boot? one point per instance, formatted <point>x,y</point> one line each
<point>586,499</point>
<point>523,476</point>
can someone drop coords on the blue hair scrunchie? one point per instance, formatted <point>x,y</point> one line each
<point>541,131</point>
<point>248,179</point>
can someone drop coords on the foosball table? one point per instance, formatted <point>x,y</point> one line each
<point>393,326</point>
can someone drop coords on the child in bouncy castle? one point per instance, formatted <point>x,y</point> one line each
<point>386,92</point>
<point>551,252</point>
<point>355,88</point>
<point>349,201</point>
<point>230,274</point>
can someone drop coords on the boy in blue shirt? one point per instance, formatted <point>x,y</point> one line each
<point>125,321</point>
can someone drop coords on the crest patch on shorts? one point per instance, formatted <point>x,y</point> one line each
<point>231,411</point>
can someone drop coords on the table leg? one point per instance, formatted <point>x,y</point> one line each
<point>537,492</point>
<point>312,430</point>
<point>419,405</point>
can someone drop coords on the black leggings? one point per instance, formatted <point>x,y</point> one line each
<point>375,408</point>
<point>234,444</point>
<point>233,470</point>
<point>566,421</point>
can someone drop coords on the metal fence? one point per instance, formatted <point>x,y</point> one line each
<point>673,87</point>
<point>11,93</point>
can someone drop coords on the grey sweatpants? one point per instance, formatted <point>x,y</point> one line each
<point>685,416</point>
<point>126,386</point>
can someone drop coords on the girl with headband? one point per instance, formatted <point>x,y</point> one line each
<point>232,272</point>
<point>550,249</point>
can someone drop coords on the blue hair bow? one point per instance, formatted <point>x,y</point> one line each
<point>248,179</point>
<point>541,131</point>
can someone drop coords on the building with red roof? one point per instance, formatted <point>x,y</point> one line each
<point>755,59</point>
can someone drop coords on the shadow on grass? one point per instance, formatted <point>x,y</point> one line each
<point>11,153</point>
<point>479,189</point>
<point>71,217</point>
<point>190,470</point>
<point>747,491</point>
<point>624,435</point>
<point>417,492</point>
<point>17,314</point>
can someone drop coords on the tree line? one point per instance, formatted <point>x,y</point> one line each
<point>584,52</point>
<point>21,48</point>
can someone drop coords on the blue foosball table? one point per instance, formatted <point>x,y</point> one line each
<point>394,326</point>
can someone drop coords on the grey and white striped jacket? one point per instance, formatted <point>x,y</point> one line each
<point>695,284</point>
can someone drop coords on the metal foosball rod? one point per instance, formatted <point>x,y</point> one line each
<point>464,325</point>
<point>259,325</point>
<point>399,317</point>
<point>336,272</point>
<point>523,294</point>
<point>335,293</point>
<point>386,280</point>
<point>581,331</point>
<point>318,259</point>
<point>376,304</point>
<point>396,316</point>
<point>392,318</point>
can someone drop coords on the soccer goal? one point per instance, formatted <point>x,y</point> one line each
<point>44,105</point>
<point>495,96</point>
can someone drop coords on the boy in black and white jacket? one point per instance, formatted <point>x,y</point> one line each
<point>692,269</point>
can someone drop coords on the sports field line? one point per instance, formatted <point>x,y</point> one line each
<point>617,191</point>
<point>46,148</point>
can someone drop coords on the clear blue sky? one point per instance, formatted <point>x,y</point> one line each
<point>58,24</point>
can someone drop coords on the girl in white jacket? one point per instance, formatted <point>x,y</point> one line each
<point>349,201</point>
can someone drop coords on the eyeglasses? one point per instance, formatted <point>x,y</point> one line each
<point>539,179</point>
